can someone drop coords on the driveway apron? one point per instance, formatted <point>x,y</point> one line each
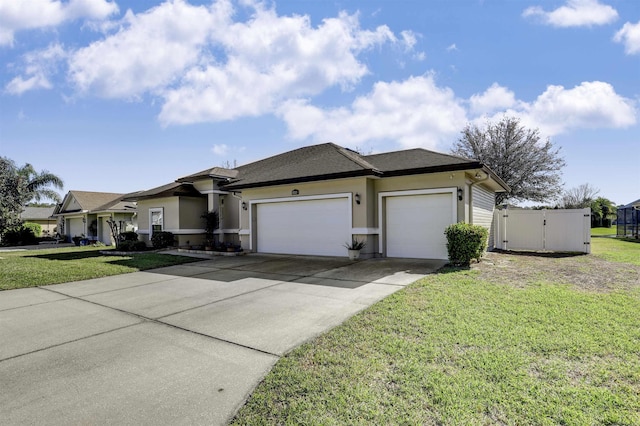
<point>184,344</point>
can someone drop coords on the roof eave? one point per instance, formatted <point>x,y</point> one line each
<point>331,176</point>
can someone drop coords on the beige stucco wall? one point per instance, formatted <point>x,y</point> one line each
<point>181,215</point>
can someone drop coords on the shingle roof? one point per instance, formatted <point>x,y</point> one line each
<point>316,162</point>
<point>417,159</point>
<point>95,202</point>
<point>37,213</point>
<point>219,172</point>
<point>169,190</point>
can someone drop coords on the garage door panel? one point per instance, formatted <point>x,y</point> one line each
<point>415,225</point>
<point>314,227</point>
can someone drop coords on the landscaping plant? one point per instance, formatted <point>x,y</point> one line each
<point>465,242</point>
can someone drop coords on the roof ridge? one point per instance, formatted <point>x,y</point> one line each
<point>354,156</point>
<point>423,149</point>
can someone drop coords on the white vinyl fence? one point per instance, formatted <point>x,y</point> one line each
<point>566,230</point>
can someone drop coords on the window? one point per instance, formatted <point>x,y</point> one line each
<point>156,220</point>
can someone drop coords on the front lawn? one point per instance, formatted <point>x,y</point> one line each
<point>617,250</point>
<point>42,267</point>
<point>518,339</point>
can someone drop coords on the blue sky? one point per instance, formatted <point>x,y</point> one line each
<point>119,96</point>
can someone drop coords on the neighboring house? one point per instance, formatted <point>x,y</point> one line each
<point>628,220</point>
<point>84,213</point>
<point>43,216</point>
<point>313,200</point>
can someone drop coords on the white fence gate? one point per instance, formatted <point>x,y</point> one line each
<point>550,230</point>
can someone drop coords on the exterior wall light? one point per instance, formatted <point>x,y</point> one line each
<point>244,205</point>
<point>357,198</point>
<point>295,192</point>
<point>459,194</point>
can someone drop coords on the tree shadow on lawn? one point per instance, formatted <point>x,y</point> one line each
<point>76,255</point>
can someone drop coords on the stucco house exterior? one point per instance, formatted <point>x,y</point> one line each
<point>43,216</point>
<point>85,213</point>
<point>312,200</point>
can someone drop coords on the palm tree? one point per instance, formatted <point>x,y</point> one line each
<point>36,185</point>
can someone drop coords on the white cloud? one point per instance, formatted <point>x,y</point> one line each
<point>408,39</point>
<point>414,112</point>
<point>220,149</point>
<point>271,58</point>
<point>16,15</point>
<point>452,48</point>
<point>629,35</point>
<point>592,104</point>
<point>150,52</point>
<point>495,98</point>
<point>576,13</point>
<point>38,67</point>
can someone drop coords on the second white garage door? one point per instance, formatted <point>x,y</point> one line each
<point>415,225</point>
<point>312,227</point>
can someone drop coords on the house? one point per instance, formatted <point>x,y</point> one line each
<point>312,200</point>
<point>43,216</point>
<point>628,220</point>
<point>85,214</point>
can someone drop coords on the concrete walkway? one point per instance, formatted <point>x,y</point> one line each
<point>179,345</point>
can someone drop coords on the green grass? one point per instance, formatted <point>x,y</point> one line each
<point>616,250</point>
<point>456,350</point>
<point>42,267</point>
<point>603,232</point>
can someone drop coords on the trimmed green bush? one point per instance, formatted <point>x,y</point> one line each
<point>162,239</point>
<point>465,242</point>
<point>35,228</point>
<point>128,236</point>
<point>20,236</point>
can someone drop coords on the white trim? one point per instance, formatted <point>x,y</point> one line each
<point>347,195</point>
<point>151,211</point>
<point>226,231</point>
<point>381,195</point>
<point>143,231</point>
<point>244,232</point>
<point>365,231</point>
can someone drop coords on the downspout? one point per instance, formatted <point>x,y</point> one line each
<point>471,195</point>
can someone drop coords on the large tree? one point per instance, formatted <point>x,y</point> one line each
<point>18,186</point>
<point>531,167</point>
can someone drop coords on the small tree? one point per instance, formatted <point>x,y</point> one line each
<point>579,197</point>
<point>211,223</point>
<point>115,229</point>
<point>530,167</point>
<point>603,211</point>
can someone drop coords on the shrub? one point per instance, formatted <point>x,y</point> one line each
<point>20,236</point>
<point>35,228</point>
<point>128,236</point>
<point>162,239</point>
<point>129,245</point>
<point>465,242</point>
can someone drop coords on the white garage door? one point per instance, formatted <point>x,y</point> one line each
<point>416,224</point>
<point>315,227</point>
<point>75,228</point>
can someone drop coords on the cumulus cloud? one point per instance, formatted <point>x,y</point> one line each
<point>629,35</point>
<point>38,67</point>
<point>417,112</point>
<point>414,112</point>
<point>271,58</point>
<point>592,104</point>
<point>148,53</point>
<point>495,98</point>
<point>24,15</point>
<point>576,13</point>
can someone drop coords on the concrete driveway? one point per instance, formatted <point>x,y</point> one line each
<point>179,345</point>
